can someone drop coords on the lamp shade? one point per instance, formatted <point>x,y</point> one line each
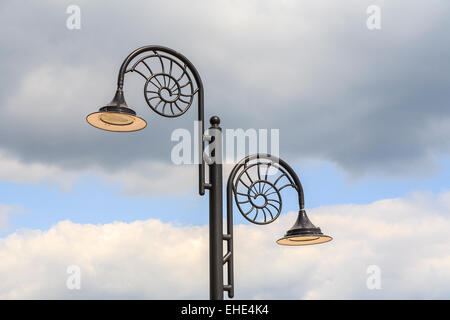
<point>116,116</point>
<point>303,233</point>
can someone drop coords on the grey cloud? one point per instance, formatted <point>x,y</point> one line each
<point>366,100</point>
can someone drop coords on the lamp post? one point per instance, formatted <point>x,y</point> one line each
<point>171,83</point>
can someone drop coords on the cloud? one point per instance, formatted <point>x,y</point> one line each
<point>5,211</point>
<point>369,101</point>
<point>407,238</point>
<point>144,178</point>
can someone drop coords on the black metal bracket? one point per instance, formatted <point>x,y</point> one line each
<point>255,184</point>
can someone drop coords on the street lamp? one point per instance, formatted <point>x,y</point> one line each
<point>256,183</point>
<point>171,83</point>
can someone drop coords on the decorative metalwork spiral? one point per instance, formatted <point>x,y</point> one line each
<point>168,90</point>
<point>257,190</point>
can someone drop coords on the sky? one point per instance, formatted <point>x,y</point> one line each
<point>362,115</point>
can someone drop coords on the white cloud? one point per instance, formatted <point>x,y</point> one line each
<point>407,238</point>
<point>141,178</point>
<point>12,169</point>
<point>153,178</point>
<point>5,211</point>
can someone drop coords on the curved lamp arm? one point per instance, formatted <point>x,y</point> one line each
<point>167,54</point>
<point>273,162</point>
<point>255,183</point>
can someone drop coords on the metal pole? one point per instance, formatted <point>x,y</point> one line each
<point>215,213</point>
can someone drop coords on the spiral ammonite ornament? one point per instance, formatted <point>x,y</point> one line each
<point>257,191</point>
<point>168,90</point>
